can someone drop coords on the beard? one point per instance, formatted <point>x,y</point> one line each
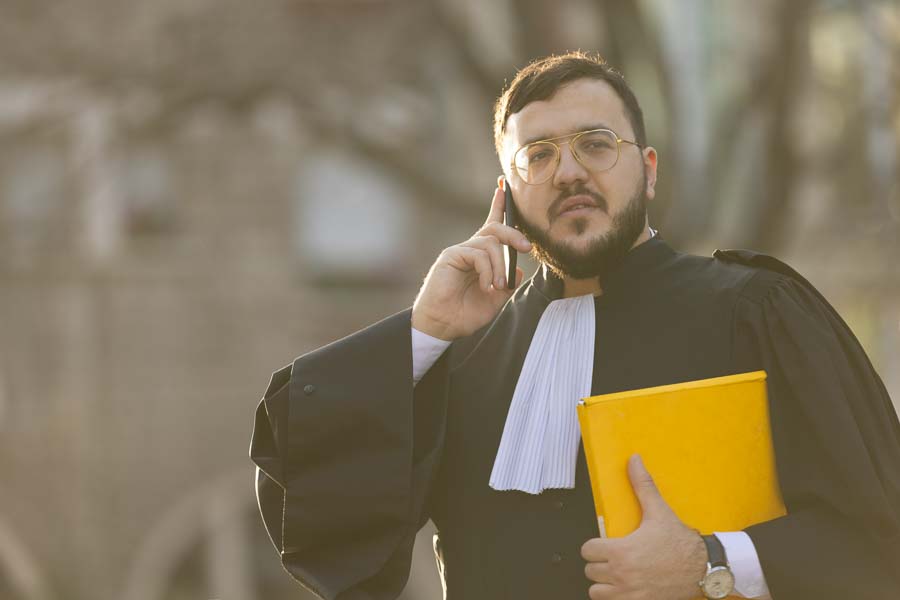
<point>603,253</point>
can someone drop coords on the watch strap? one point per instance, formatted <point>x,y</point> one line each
<point>716,551</point>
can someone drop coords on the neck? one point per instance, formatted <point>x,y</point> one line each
<point>581,287</point>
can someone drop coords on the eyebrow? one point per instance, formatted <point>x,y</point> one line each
<point>546,136</point>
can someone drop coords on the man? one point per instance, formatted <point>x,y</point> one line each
<point>354,455</point>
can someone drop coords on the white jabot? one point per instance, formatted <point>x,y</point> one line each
<point>540,441</point>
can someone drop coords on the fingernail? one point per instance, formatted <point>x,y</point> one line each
<point>501,281</point>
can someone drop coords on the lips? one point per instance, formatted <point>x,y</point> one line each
<point>573,202</point>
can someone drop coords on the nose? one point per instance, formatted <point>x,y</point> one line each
<point>569,169</point>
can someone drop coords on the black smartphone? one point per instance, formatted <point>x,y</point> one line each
<point>509,219</point>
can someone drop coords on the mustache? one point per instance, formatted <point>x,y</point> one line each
<point>577,191</point>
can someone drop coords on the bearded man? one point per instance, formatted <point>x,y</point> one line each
<point>459,409</point>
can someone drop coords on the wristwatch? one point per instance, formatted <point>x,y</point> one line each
<point>719,580</point>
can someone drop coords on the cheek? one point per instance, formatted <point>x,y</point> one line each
<point>533,207</point>
<point>619,190</point>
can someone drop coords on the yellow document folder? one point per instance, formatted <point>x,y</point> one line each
<point>707,444</point>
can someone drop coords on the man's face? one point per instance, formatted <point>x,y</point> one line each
<point>584,242</point>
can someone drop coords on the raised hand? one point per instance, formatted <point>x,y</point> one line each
<point>466,286</point>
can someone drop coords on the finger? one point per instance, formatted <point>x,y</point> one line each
<point>596,550</point>
<point>498,204</point>
<point>491,245</point>
<point>466,258</point>
<point>599,572</point>
<point>507,235</point>
<point>601,591</point>
<point>506,291</point>
<point>652,502</point>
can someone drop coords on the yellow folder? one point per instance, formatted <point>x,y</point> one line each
<point>707,444</point>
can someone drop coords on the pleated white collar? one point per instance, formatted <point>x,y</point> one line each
<point>540,441</point>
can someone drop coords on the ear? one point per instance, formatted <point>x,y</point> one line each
<point>501,179</point>
<point>649,157</point>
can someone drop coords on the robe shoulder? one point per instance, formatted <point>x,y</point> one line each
<point>836,437</point>
<point>766,273</point>
<point>734,274</point>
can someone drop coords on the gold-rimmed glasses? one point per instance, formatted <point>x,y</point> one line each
<point>596,149</point>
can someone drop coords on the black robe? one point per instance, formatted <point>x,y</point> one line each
<point>353,460</point>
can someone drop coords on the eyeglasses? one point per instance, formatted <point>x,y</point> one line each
<point>597,150</point>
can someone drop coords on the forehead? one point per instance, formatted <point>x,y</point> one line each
<point>578,105</point>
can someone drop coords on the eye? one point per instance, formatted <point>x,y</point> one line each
<point>595,143</point>
<point>536,154</point>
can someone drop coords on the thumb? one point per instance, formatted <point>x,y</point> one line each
<point>652,502</point>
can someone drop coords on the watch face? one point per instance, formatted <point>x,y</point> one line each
<point>718,583</point>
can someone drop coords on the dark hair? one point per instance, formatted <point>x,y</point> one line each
<point>543,77</point>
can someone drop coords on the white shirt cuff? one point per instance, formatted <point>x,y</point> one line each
<point>425,352</point>
<point>749,581</point>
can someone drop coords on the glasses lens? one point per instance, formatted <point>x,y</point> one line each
<point>597,150</point>
<point>536,162</point>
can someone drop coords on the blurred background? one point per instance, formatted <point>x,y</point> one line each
<point>194,192</point>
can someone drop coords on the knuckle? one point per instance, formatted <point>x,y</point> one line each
<point>494,229</point>
<point>646,483</point>
<point>486,239</point>
<point>502,230</point>
<point>447,255</point>
<point>461,252</point>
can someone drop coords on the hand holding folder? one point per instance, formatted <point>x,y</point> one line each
<point>663,558</point>
<point>707,443</point>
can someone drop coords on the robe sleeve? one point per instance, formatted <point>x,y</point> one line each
<point>346,452</point>
<point>837,447</point>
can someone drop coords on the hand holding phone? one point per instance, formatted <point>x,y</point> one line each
<point>469,283</point>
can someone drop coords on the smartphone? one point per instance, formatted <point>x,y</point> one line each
<point>509,219</point>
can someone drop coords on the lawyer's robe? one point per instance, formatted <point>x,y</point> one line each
<point>352,460</point>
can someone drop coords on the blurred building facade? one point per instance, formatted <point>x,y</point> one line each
<point>194,193</point>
